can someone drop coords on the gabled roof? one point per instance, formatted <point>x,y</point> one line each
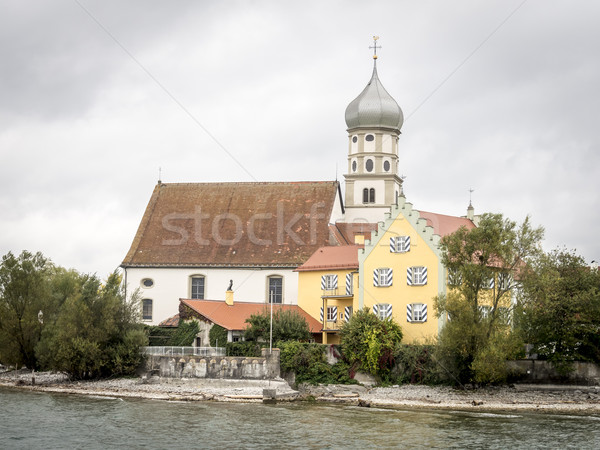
<point>233,317</point>
<point>332,258</point>
<point>443,224</point>
<point>233,224</point>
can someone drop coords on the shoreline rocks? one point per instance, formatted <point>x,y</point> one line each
<point>538,398</point>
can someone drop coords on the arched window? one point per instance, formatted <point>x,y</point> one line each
<point>197,287</point>
<point>146,309</point>
<point>372,195</point>
<point>275,289</point>
<point>365,195</point>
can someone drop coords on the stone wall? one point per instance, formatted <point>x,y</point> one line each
<point>536,371</point>
<point>229,367</point>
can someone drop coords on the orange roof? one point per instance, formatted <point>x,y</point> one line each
<point>233,224</point>
<point>172,321</point>
<point>340,257</point>
<point>234,317</point>
<point>344,233</point>
<point>443,224</point>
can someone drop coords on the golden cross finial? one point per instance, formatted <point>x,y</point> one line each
<point>375,46</point>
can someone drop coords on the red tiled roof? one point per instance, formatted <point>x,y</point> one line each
<point>170,322</point>
<point>233,224</point>
<point>234,317</point>
<point>330,258</point>
<point>345,232</point>
<point>443,224</point>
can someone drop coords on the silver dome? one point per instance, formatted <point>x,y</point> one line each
<point>374,107</point>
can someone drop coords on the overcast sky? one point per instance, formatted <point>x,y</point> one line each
<point>499,96</point>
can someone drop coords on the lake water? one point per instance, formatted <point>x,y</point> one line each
<point>30,420</point>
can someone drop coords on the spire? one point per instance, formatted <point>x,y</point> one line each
<point>374,107</point>
<point>470,209</point>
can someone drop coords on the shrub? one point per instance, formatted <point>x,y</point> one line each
<point>216,335</point>
<point>369,343</point>
<point>185,334</point>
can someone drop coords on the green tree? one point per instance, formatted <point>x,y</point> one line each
<point>560,301</point>
<point>369,343</point>
<point>25,290</point>
<point>96,332</point>
<point>477,339</point>
<point>288,325</point>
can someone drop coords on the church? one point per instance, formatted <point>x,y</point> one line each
<point>294,243</point>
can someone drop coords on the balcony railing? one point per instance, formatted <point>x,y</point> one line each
<point>184,351</point>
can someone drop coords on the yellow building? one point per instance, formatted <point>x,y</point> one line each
<point>400,269</point>
<point>327,284</point>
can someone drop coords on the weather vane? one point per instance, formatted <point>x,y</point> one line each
<point>471,190</point>
<point>375,46</point>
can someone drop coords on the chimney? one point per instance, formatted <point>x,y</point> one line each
<point>229,294</point>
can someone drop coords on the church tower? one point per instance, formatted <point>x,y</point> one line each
<point>374,120</point>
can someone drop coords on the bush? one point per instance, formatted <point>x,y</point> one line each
<point>415,365</point>
<point>287,326</point>
<point>217,334</point>
<point>248,349</point>
<point>369,343</point>
<point>309,363</point>
<point>185,334</point>
<point>159,336</point>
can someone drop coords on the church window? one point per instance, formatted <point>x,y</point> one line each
<point>354,139</point>
<point>353,166</point>
<point>368,195</point>
<point>369,138</point>
<point>146,309</point>
<point>275,292</point>
<point>386,166</point>
<point>147,282</point>
<point>197,287</point>
<point>369,165</point>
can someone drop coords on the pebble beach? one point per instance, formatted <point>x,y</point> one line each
<point>539,398</point>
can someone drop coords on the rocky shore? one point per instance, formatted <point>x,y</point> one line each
<point>539,398</point>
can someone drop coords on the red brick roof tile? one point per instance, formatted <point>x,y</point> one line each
<point>233,224</point>
<point>233,317</point>
<point>332,258</point>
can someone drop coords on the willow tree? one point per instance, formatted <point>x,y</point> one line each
<point>483,265</point>
<point>25,290</point>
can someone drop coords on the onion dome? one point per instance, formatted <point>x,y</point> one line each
<point>374,107</point>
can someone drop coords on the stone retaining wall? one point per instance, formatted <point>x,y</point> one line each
<point>536,371</point>
<point>230,367</point>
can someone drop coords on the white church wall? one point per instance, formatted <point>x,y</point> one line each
<point>171,284</point>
